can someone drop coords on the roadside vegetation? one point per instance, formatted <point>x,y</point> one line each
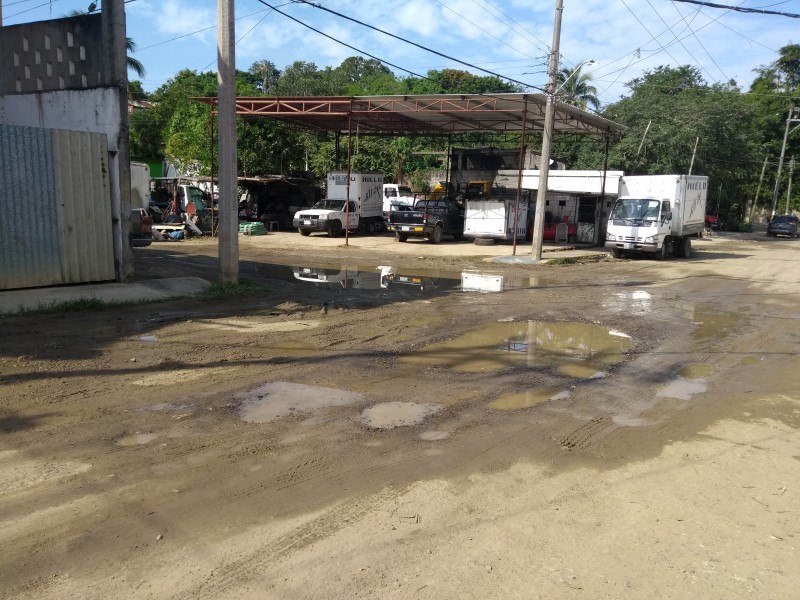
<point>668,113</point>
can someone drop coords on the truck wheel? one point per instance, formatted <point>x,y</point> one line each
<point>334,229</point>
<point>662,253</point>
<point>305,232</point>
<point>401,237</point>
<point>459,237</point>
<point>616,253</point>
<point>436,235</point>
<point>686,248</point>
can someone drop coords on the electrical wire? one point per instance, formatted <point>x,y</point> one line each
<point>397,37</point>
<point>741,9</point>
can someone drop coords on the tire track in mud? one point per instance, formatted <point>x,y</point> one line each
<point>232,574</point>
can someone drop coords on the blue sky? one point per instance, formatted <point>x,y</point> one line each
<point>508,37</point>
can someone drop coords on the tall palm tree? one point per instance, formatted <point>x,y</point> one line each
<point>575,88</point>
<point>133,64</point>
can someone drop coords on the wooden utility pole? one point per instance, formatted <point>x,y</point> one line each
<point>226,83</point>
<point>776,192</point>
<point>789,189</point>
<point>549,122</point>
<point>751,212</point>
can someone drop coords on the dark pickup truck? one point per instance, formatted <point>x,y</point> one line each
<point>430,219</point>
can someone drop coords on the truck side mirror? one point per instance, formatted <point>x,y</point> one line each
<point>668,216</point>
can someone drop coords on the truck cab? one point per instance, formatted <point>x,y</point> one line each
<point>639,224</point>
<point>327,215</point>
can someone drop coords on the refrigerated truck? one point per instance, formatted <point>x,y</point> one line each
<point>657,214</point>
<point>334,214</point>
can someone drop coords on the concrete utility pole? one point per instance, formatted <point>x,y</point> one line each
<point>789,189</point>
<point>776,192</point>
<point>226,83</point>
<point>115,35</point>
<point>549,121</point>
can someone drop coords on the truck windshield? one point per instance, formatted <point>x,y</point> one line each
<point>331,204</point>
<point>635,209</point>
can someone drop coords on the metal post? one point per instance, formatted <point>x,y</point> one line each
<point>519,174</point>
<point>598,214</point>
<point>347,192</point>
<point>226,82</point>
<point>549,121</point>
<point>211,137</point>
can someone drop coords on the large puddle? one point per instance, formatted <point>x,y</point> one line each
<point>580,350</point>
<point>278,399</point>
<point>389,415</point>
<point>394,282</point>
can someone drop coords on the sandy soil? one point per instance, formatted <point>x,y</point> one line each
<point>454,428</point>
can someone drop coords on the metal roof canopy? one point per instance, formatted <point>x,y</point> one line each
<point>423,114</point>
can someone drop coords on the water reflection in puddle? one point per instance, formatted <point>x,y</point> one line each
<point>389,415</point>
<point>682,389</point>
<point>136,439</point>
<point>277,399</point>
<point>398,281</point>
<point>529,398</point>
<point>575,349</point>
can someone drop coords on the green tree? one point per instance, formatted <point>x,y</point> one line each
<point>576,89</point>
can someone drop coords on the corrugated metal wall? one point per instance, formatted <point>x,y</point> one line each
<point>55,208</point>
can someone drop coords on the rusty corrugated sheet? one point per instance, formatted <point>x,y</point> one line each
<point>55,216</point>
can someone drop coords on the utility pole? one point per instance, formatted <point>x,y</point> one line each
<point>789,190</point>
<point>549,122</point>
<point>226,83</point>
<point>790,119</point>
<point>751,212</point>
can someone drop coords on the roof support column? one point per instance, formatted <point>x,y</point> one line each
<point>519,173</point>
<point>347,195</point>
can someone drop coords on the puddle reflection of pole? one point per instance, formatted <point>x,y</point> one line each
<point>533,327</point>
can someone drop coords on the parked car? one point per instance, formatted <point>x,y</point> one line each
<point>783,225</point>
<point>713,223</point>
<point>141,228</point>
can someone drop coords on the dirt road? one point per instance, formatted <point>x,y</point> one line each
<point>370,423</point>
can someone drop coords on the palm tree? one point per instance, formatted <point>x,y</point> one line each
<point>575,88</point>
<point>133,64</point>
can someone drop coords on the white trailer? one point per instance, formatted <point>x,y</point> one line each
<point>334,213</point>
<point>494,219</point>
<point>658,214</point>
<point>140,185</point>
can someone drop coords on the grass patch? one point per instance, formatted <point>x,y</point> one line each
<point>566,260</point>
<point>76,305</point>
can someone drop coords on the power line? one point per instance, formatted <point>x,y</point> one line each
<point>397,37</point>
<point>742,9</point>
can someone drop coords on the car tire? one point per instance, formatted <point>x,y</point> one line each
<point>401,237</point>
<point>304,232</point>
<point>662,253</point>
<point>334,229</point>
<point>436,235</point>
<point>616,253</point>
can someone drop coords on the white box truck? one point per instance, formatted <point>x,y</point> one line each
<point>334,214</point>
<point>657,214</point>
<point>494,219</point>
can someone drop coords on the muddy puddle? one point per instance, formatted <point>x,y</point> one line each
<point>277,399</point>
<point>391,282</point>
<point>581,350</point>
<point>529,398</point>
<point>389,415</point>
<point>689,381</point>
